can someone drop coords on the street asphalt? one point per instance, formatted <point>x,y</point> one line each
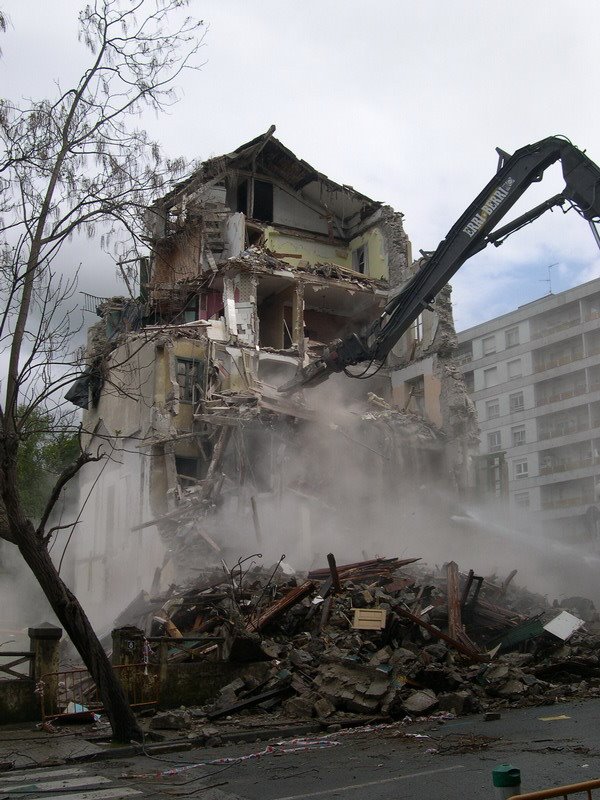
<point>551,745</point>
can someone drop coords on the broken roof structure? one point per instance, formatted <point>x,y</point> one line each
<point>257,262</point>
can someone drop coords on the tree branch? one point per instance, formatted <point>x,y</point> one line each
<point>63,479</point>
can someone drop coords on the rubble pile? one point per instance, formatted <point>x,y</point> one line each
<point>384,638</point>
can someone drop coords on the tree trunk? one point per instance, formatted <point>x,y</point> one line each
<point>76,624</point>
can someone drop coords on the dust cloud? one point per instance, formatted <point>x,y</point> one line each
<point>360,481</point>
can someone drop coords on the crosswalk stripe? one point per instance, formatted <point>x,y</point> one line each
<point>67,783</point>
<point>100,794</point>
<point>15,777</point>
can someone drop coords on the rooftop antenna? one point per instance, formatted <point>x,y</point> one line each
<point>548,280</point>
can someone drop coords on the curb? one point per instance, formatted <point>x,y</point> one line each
<point>179,745</point>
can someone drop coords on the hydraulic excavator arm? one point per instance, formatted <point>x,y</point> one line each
<point>473,231</point>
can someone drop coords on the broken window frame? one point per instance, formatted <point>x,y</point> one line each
<point>190,390</point>
<point>191,310</point>
<point>360,259</point>
<point>417,329</point>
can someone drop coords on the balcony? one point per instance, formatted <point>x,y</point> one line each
<point>566,395</point>
<point>560,326</point>
<point>591,315</point>
<point>567,466</point>
<point>563,429</point>
<point>561,361</point>
<point>568,502</point>
<point>464,358</point>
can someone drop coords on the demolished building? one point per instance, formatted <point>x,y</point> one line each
<point>257,262</point>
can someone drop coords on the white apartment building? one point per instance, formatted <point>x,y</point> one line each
<point>534,375</point>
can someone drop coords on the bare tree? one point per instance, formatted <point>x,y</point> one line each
<point>70,164</point>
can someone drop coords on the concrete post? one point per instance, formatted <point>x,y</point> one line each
<point>128,645</point>
<point>44,644</point>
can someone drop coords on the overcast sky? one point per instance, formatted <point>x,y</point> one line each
<point>403,100</point>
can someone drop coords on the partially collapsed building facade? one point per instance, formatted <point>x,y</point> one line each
<point>257,262</point>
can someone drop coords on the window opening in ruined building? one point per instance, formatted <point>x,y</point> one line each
<point>187,469</point>
<point>242,197</point>
<point>516,402</point>
<point>521,469</point>
<point>511,337</point>
<point>189,378</point>
<point>360,261</point>
<point>416,395</point>
<point>522,499</point>
<point>490,377</point>
<point>518,435</point>
<point>263,200</point>
<point>417,329</point>
<point>492,409</point>
<point>190,312</point>
<point>494,441</point>
<point>469,378</point>
<point>489,345</point>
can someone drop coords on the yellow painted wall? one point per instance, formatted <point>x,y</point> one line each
<point>319,252</point>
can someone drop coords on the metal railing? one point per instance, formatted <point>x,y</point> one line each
<point>560,326</point>
<point>568,502</point>
<point>567,466</point>
<point>58,690</point>
<point>563,430</point>
<point>561,361</point>
<point>555,398</point>
<point>8,671</point>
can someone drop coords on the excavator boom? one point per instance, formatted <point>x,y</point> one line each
<point>472,232</point>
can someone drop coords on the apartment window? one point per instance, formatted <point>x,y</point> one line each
<point>417,329</point>
<point>494,441</point>
<point>516,402</point>
<point>514,369</point>
<point>489,345</point>
<point>492,409</point>
<point>521,499</point>
<point>360,262</point>
<point>189,378</point>
<point>521,469</point>
<point>518,435</point>
<point>490,377</point>
<point>511,337</point>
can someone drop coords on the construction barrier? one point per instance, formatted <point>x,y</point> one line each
<point>586,788</point>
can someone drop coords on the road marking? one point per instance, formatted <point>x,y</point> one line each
<point>352,786</point>
<point>14,777</point>
<point>100,794</point>
<point>67,783</point>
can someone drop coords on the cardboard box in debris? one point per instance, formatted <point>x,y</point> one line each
<point>379,637</point>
